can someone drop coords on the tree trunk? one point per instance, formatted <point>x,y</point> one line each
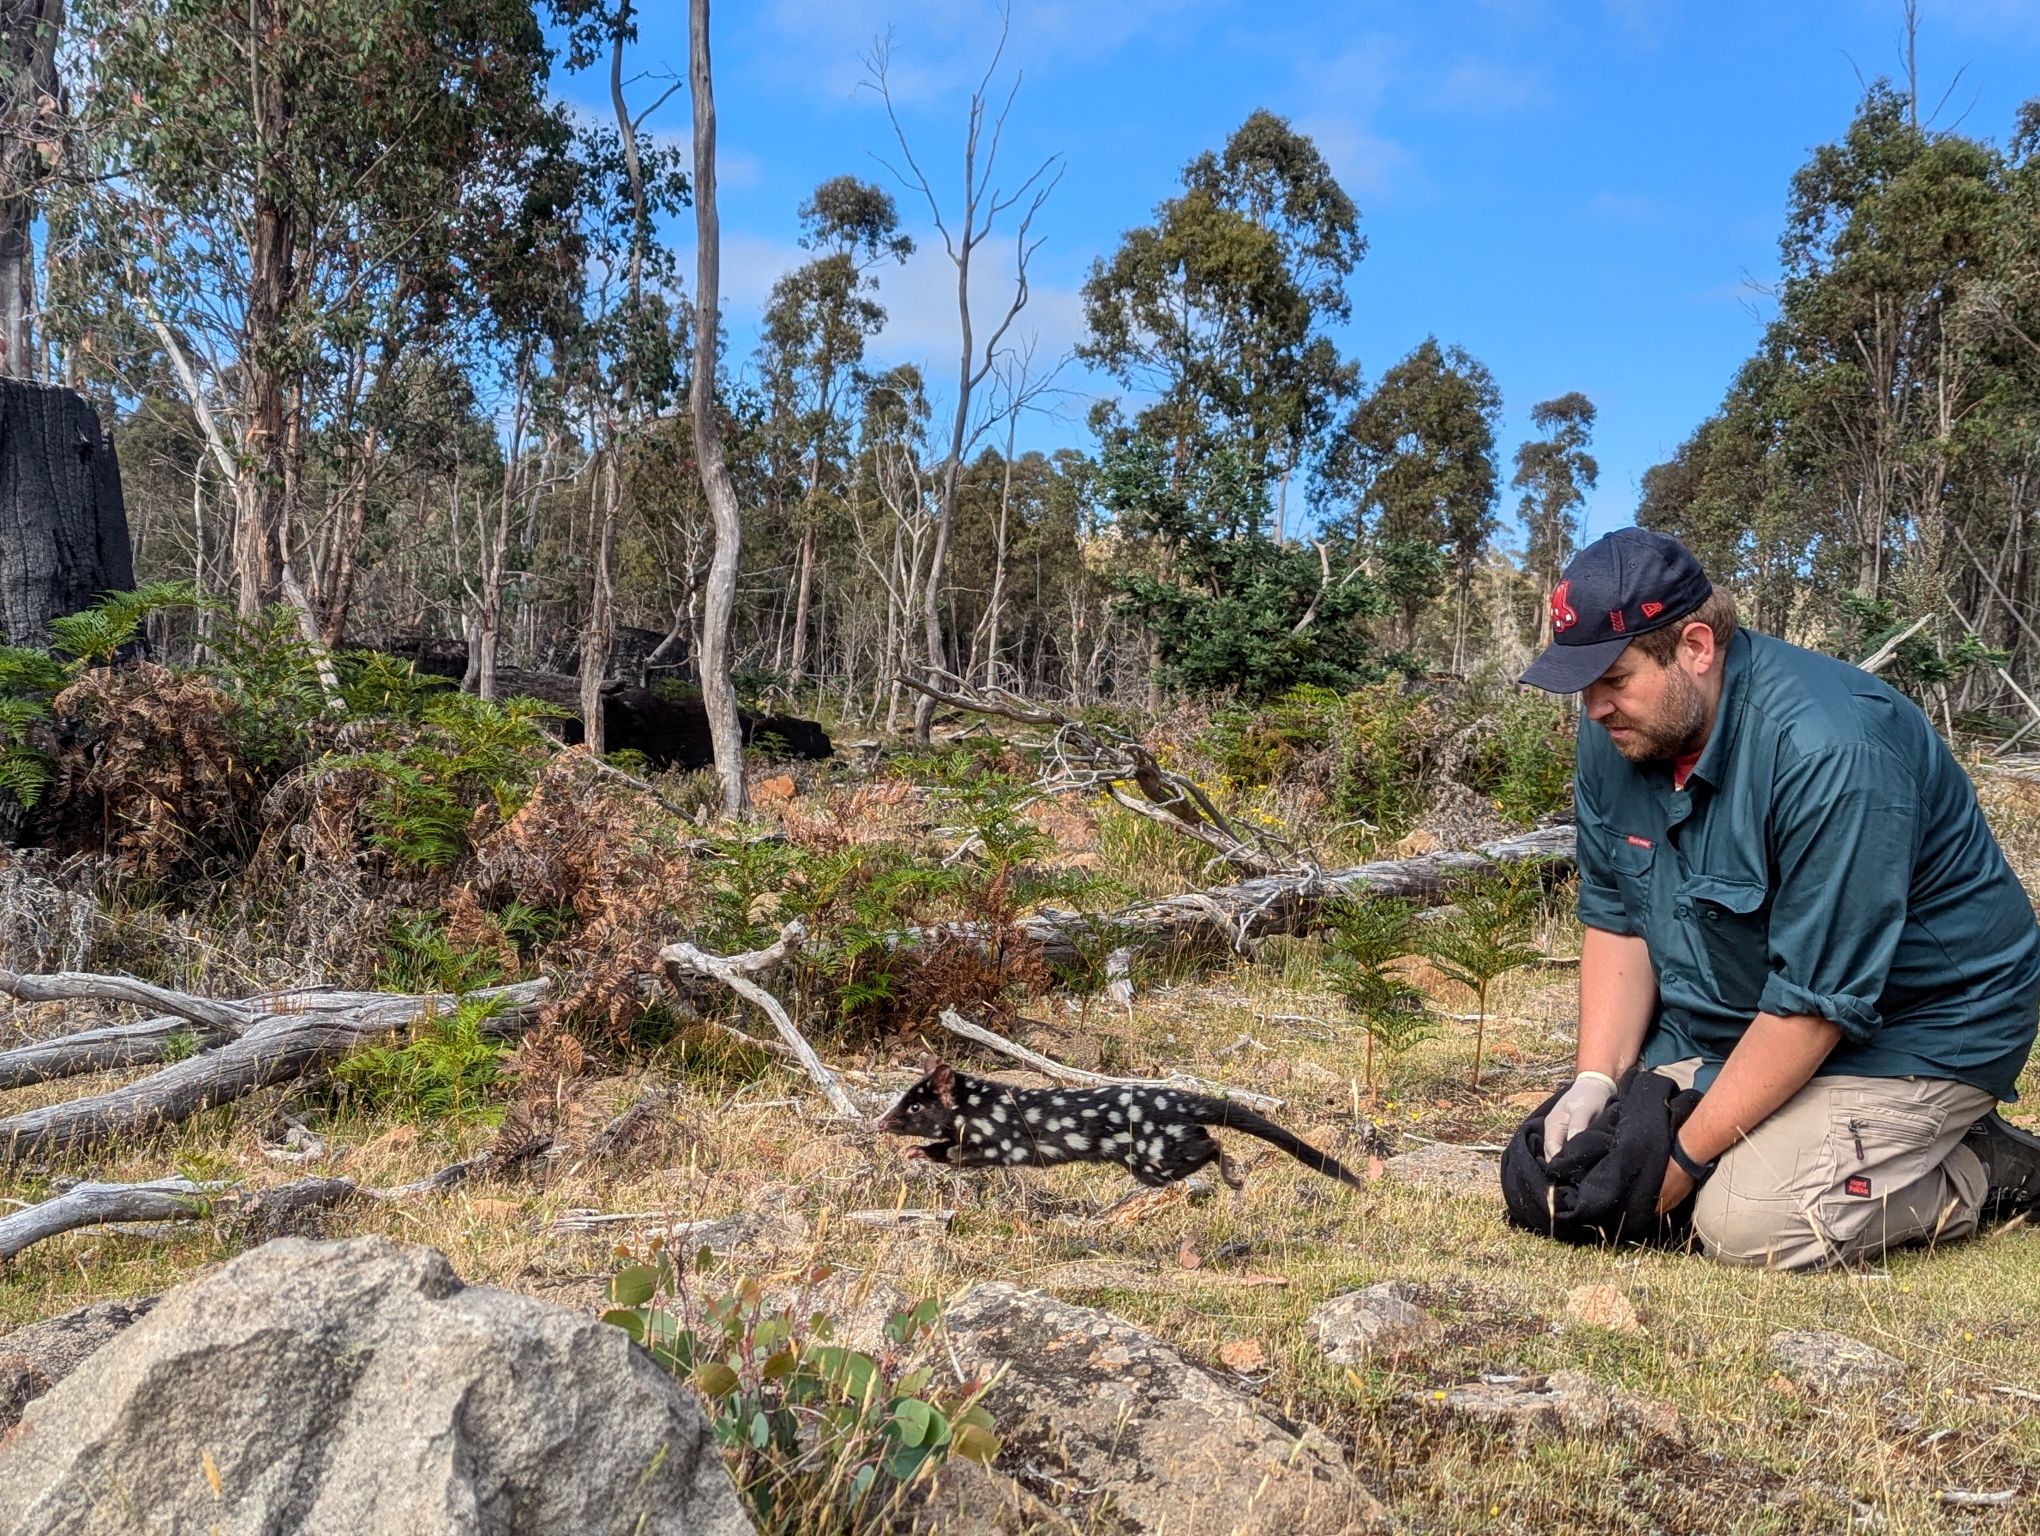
<point>28,85</point>
<point>63,528</point>
<point>718,693</point>
<point>598,633</point>
<point>803,595</point>
<point>272,272</point>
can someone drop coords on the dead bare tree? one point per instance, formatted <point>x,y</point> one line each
<point>718,692</point>
<point>983,206</point>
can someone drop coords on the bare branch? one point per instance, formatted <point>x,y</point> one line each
<point>735,972</point>
<point>1047,1066</point>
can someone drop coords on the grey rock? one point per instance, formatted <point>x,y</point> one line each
<point>1448,1170</point>
<point>1107,1422</point>
<point>963,1497</point>
<point>359,1387</point>
<point>1565,1402</point>
<point>1380,1322</point>
<point>1827,1361</point>
<point>36,1357</point>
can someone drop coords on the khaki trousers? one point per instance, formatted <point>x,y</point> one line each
<point>1844,1169</point>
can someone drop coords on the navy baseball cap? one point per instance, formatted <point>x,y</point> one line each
<point>1622,585</point>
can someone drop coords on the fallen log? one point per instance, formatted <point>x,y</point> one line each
<point>178,1198</point>
<point>92,1205</point>
<point>115,1047</point>
<point>1235,916</point>
<point>277,1047</point>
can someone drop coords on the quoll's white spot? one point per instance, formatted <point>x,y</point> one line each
<point>1125,1099</point>
<point>999,1113</point>
<point>982,1126</point>
<point>1076,1141</point>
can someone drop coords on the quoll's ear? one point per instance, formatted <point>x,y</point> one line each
<point>945,1083</point>
<point>929,1062</point>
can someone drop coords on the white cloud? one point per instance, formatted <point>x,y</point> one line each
<point>818,46</point>
<point>1367,164</point>
<point>921,319</point>
<point>1487,85</point>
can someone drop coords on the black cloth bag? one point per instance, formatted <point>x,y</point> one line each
<point>1602,1188</point>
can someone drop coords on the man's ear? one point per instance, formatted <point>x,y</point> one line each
<point>945,1083</point>
<point>1697,647</point>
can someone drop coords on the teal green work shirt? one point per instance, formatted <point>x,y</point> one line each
<point>1825,857</point>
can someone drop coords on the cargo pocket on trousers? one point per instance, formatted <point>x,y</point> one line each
<point>1874,1153</point>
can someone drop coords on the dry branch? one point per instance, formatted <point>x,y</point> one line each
<point>92,1205</point>
<point>735,972</point>
<point>180,1199</point>
<point>276,1048</point>
<point>1047,1066</point>
<point>229,1019</point>
<point>1083,758</point>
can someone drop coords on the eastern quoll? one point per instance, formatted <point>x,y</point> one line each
<point>1157,1134</point>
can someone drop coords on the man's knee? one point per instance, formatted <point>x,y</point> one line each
<point>1770,1230</point>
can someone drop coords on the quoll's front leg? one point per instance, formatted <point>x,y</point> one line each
<point>933,1152</point>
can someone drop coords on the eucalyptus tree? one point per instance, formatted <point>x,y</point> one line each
<point>1218,307</point>
<point>1414,465</point>
<point>816,325</point>
<point>1554,472</point>
<point>279,206</point>
<point>33,131</point>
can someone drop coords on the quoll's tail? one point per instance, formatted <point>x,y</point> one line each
<point>1228,1116</point>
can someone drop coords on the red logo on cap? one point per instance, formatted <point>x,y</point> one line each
<point>1651,610</point>
<point>1562,616</point>
<point>1615,621</point>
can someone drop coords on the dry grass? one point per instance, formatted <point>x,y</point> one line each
<point>1760,1455</point>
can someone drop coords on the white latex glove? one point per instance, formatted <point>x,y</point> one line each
<point>1575,1111</point>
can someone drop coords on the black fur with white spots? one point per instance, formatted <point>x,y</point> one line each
<point>1158,1135</point>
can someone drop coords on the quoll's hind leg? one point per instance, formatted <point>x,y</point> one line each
<point>1234,1175</point>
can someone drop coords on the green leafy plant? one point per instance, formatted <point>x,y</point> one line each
<point>1367,939</point>
<point>1531,757</point>
<point>817,1435</point>
<point>994,828</point>
<point>30,679</point>
<point>447,1070</point>
<point>1485,936</point>
<point>428,784</point>
<point>93,635</point>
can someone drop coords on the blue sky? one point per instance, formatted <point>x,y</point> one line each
<point>1585,194</point>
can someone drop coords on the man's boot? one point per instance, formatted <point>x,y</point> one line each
<point>2011,1167</point>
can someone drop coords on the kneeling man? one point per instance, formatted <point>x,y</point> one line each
<point>1791,901</point>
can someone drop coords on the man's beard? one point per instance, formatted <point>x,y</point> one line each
<point>1676,729</point>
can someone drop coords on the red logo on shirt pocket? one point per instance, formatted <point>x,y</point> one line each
<point>1857,1184</point>
<point>1639,842</point>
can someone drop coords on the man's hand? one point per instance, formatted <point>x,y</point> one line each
<point>1677,1186</point>
<point>1575,1111</point>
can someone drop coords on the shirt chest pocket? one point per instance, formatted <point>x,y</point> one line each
<point>1731,925</point>
<point>1629,860</point>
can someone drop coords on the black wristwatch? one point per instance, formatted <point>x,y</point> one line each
<point>1698,1172</point>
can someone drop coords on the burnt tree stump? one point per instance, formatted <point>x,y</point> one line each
<point>63,526</point>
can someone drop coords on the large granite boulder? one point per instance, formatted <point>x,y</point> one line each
<point>358,1388</point>
<point>1120,1431</point>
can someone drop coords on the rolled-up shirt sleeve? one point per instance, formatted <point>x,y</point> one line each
<point>1600,904</point>
<point>1845,832</point>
